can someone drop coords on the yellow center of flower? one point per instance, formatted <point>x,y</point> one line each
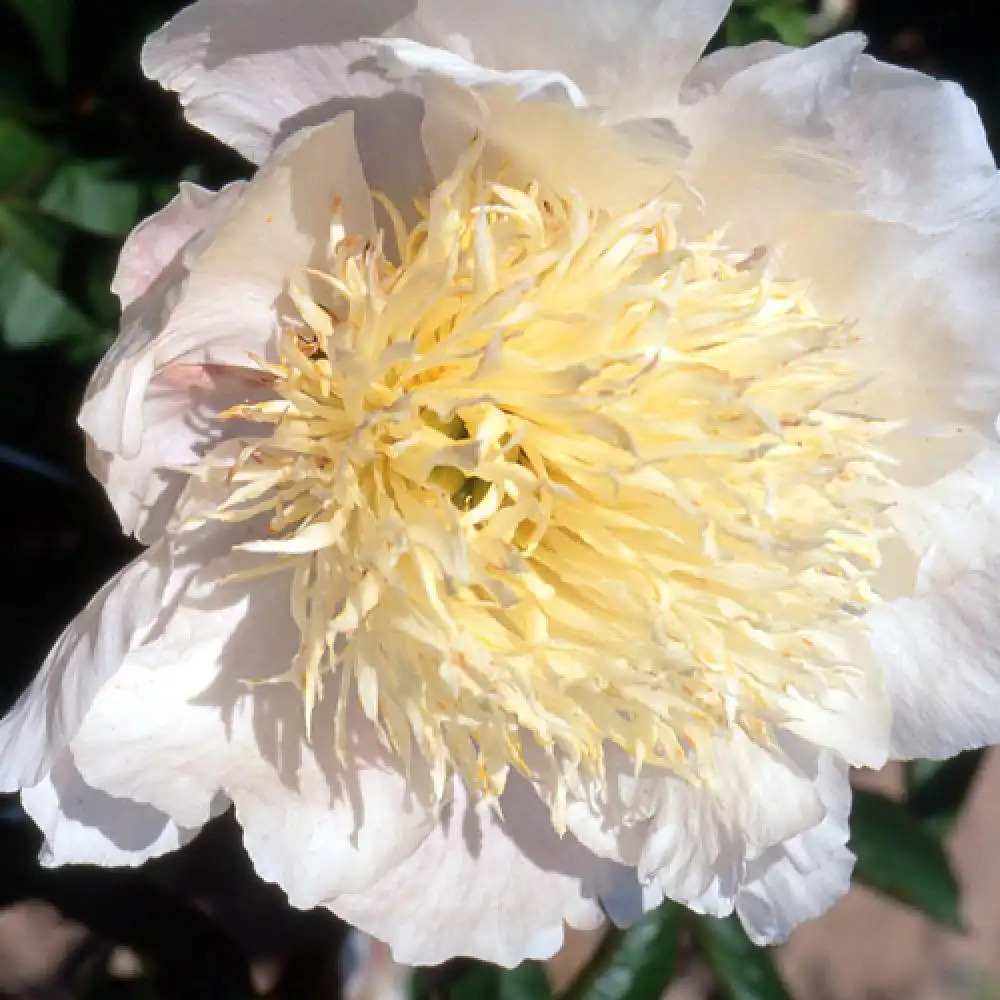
<point>559,479</point>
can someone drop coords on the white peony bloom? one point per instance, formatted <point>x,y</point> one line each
<point>560,463</point>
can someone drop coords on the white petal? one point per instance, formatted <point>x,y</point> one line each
<point>698,838</point>
<point>952,525</point>
<point>802,877</point>
<point>182,722</point>
<point>941,658</point>
<point>781,897</point>
<point>497,889</point>
<point>617,168</point>
<point>84,826</point>
<point>155,243</point>
<point>181,423</point>
<point>761,146</point>
<point>48,714</point>
<point>852,721</point>
<point>219,300</point>
<point>920,146</point>
<point>404,57</point>
<point>923,310</point>
<point>251,72</point>
<point>630,55</point>
<point>896,144</point>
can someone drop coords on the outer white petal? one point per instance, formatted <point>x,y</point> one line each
<point>920,146</point>
<point>629,56</point>
<point>85,826</point>
<point>155,243</point>
<point>183,721</point>
<point>952,525</point>
<point>216,303</point>
<point>941,658</point>
<point>775,903</point>
<point>492,884</point>
<point>762,149</point>
<point>923,306</point>
<point>36,730</point>
<point>691,842</point>
<point>915,147</point>
<point>800,878</point>
<point>617,168</point>
<point>251,71</point>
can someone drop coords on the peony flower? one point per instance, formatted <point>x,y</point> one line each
<point>559,464</point>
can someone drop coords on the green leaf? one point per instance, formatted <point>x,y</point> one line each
<point>742,970</point>
<point>755,20</point>
<point>27,161</point>
<point>487,982</point>
<point>49,23</point>
<point>637,964</point>
<point>937,789</point>
<point>33,314</point>
<point>897,856</point>
<point>93,196</point>
<point>37,239</point>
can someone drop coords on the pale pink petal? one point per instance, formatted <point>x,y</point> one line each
<point>216,305</point>
<point>156,242</point>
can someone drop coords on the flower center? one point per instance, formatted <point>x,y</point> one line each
<point>559,479</point>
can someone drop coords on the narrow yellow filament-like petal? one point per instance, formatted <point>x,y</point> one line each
<point>557,479</point>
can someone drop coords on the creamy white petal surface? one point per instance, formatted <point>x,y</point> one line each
<point>497,888</point>
<point>85,826</point>
<point>153,400</point>
<point>187,718</point>
<point>397,462</point>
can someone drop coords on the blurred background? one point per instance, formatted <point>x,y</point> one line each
<point>87,149</point>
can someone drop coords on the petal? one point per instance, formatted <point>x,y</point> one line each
<point>802,877</point>
<point>616,168</point>
<point>941,657</point>
<point>218,302</point>
<point>491,883</point>
<point>181,423</point>
<point>46,717</point>
<point>251,72</point>
<point>155,243</point>
<point>952,525</point>
<point>761,146</point>
<point>629,56</point>
<point>84,826</point>
<point>186,718</point>
<point>690,842</point>
<point>920,146</point>
<point>922,306</point>
<point>910,149</point>
<point>780,898</point>
<point>403,57</point>
<point>853,721</point>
